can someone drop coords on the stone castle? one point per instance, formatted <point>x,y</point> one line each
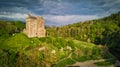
<point>35,26</point>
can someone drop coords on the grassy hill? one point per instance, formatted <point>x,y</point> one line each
<point>104,31</point>
<point>100,31</point>
<point>19,50</point>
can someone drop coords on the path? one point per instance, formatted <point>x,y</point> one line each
<point>91,63</point>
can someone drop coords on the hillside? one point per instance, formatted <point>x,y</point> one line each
<point>104,31</point>
<point>19,50</point>
<point>96,31</point>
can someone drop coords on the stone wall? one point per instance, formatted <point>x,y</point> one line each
<point>35,26</point>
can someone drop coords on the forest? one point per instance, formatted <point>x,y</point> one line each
<point>104,31</point>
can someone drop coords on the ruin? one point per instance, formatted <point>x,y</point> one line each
<point>35,26</point>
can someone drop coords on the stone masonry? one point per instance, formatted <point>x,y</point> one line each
<point>35,26</point>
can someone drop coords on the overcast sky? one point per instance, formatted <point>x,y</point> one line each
<point>58,12</point>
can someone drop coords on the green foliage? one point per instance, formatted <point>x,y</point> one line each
<point>9,28</point>
<point>20,25</point>
<point>104,31</point>
<point>64,63</point>
<point>22,51</point>
<point>105,63</point>
<point>101,31</point>
<point>84,58</point>
<point>41,56</point>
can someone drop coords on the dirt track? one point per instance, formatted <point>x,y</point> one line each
<point>90,63</point>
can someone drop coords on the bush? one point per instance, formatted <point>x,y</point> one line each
<point>64,63</point>
<point>105,63</point>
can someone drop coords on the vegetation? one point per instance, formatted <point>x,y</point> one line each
<point>9,28</point>
<point>105,63</point>
<point>64,45</point>
<point>19,50</point>
<point>104,31</point>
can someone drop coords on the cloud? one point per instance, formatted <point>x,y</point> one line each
<point>14,9</point>
<point>15,16</point>
<point>51,19</point>
<point>59,12</point>
<point>61,7</point>
<point>68,19</point>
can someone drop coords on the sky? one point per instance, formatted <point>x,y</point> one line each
<point>58,12</point>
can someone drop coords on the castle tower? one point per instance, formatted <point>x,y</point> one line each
<point>35,26</point>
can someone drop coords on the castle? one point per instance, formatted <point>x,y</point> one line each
<point>35,26</point>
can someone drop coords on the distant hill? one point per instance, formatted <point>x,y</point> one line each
<point>105,31</point>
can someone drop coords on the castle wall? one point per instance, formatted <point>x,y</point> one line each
<point>35,27</point>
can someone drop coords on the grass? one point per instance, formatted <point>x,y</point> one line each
<point>20,46</point>
<point>64,63</point>
<point>105,63</point>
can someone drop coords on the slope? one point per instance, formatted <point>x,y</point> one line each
<point>19,50</point>
<point>105,31</point>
